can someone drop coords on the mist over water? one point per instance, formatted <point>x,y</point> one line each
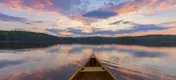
<point>59,62</point>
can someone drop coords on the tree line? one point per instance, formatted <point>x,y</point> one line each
<point>42,38</point>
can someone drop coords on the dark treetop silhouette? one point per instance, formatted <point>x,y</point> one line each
<point>24,39</point>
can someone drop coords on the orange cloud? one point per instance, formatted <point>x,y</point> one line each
<point>35,5</point>
<point>128,7</point>
<point>152,1</point>
<point>15,75</point>
<point>64,33</point>
<point>144,5</point>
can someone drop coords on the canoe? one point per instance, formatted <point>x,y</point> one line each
<point>92,69</point>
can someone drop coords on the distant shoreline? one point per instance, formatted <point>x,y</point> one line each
<point>41,39</point>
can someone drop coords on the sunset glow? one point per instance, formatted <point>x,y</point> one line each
<point>90,17</point>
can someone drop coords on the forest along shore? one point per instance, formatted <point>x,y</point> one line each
<point>25,39</point>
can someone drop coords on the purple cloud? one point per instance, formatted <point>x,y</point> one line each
<point>55,31</point>
<point>64,7</point>
<point>136,28</point>
<point>99,14</point>
<point>116,22</point>
<point>8,18</point>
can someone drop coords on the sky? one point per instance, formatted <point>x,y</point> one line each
<point>80,18</point>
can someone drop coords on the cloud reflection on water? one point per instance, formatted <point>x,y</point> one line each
<point>124,61</point>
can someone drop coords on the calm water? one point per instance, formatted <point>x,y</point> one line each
<point>59,62</point>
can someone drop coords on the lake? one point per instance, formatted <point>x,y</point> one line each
<point>59,62</point>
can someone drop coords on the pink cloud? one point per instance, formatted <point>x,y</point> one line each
<point>50,6</point>
<point>144,5</point>
<point>34,5</point>
<point>2,5</point>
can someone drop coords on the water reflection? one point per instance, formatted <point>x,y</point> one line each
<point>6,63</point>
<point>61,61</point>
